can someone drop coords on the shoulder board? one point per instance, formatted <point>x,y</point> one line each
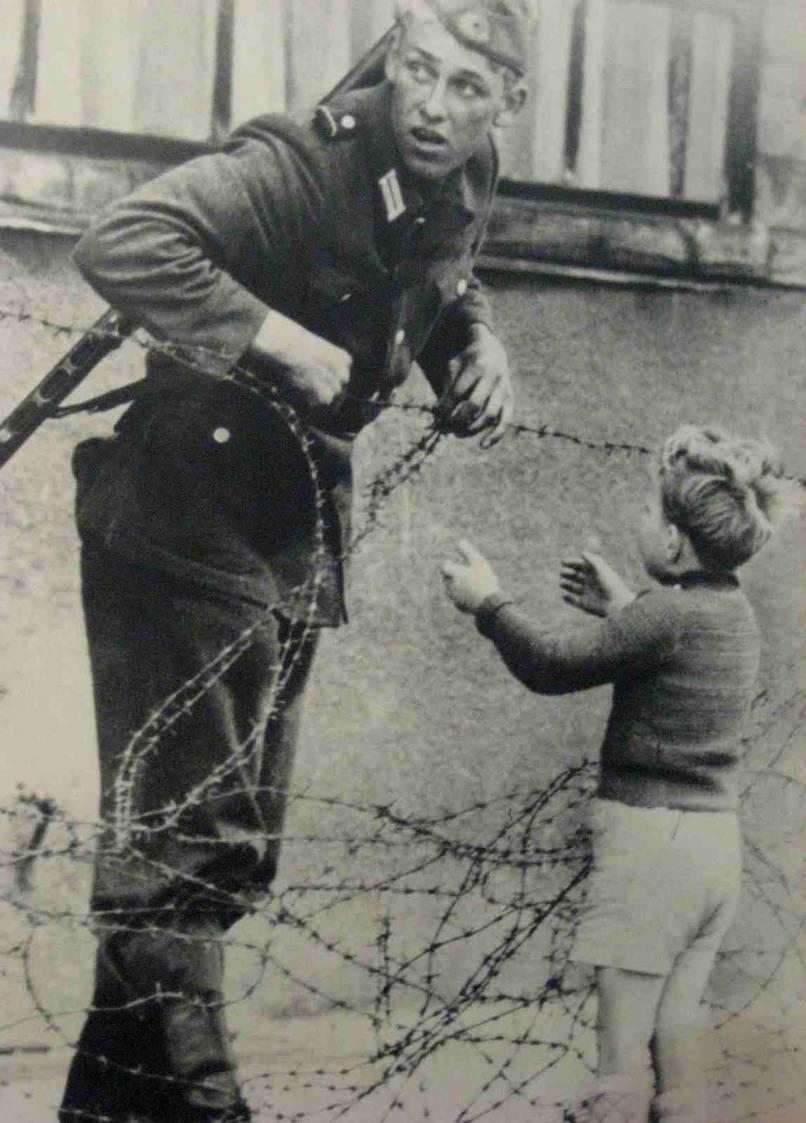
<point>334,125</point>
<point>274,126</point>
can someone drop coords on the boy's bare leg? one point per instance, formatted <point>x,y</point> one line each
<point>628,1003</point>
<point>680,1030</point>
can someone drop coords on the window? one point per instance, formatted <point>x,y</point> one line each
<point>648,99</point>
<point>635,103</point>
<point>132,66</point>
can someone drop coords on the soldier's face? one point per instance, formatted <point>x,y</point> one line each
<point>445,98</point>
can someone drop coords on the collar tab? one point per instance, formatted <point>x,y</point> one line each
<point>392,194</point>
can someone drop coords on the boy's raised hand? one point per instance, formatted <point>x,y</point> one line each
<point>469,582</point>
<point>589,583</point>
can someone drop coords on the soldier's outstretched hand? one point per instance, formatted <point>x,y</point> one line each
<point>592,585</point>
<point>479,397</point>
<point>470,581</point>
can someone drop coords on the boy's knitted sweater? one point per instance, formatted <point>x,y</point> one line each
<point>683,660</point>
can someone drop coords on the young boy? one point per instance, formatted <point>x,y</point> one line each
<point>683,659</point>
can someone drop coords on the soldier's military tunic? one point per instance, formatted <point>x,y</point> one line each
<point>201,514</point>
<point>315,220</point>
<point>199,519</point>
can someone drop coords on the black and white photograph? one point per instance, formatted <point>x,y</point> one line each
<point>402,490</point>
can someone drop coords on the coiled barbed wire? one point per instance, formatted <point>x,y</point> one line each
<point>515,883</point>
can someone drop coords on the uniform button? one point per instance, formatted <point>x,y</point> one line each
<point>345,297</point>
<point>400,335</point>
<point>461,287</point>
<point>348,121</point>
<point>221,435</point>
<point>419,220</point>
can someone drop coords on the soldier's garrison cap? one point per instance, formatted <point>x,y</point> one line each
<point>498,29</point>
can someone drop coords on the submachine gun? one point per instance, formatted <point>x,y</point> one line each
<point>107,333</point>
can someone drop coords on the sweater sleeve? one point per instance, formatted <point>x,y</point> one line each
<point>169,254</point>
<point>631,643</point>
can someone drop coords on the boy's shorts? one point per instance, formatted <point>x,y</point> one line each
<point>663,882</point>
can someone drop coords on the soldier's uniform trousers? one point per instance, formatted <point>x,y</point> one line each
<point>196,760</point>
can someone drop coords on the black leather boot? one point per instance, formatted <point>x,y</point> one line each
<point>119,1058</point>
<point>155,1047</point>
<point>180,972</point>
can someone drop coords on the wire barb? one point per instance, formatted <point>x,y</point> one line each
<point>494,884</point>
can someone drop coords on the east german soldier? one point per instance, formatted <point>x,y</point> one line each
<point>326,253</point>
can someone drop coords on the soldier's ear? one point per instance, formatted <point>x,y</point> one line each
<point>673,542</point>
<point>513,102</point>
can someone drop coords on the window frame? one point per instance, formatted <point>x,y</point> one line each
<point>741,134</point>
<point>740,147</point>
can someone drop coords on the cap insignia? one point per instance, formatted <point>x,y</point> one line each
<point>474,26</point>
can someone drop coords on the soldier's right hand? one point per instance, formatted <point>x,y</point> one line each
<point>313,370</point>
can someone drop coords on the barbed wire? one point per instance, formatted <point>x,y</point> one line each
<point>540,429</point>
<point>495,883</point>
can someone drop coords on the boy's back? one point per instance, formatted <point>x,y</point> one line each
<point>673,736</point>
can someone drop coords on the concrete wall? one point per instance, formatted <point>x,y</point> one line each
<point>409,706</point>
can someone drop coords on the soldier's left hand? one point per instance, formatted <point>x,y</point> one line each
<point>479,396</point>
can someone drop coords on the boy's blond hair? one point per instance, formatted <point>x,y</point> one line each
<point>724,492</point>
